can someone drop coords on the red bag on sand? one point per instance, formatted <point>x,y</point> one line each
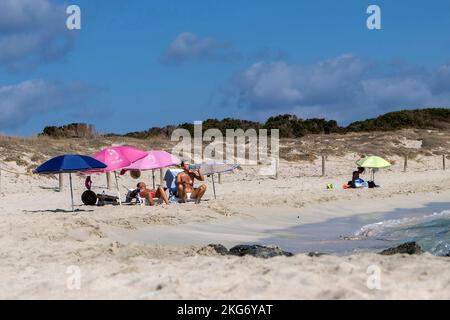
<point>88,183</point>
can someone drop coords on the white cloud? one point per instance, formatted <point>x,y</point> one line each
<point>32,32</point>
<point>188,47</point>
<point>21,102</point>
<point>344,88</point>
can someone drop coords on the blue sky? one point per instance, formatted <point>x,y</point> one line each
<point>139,63</point>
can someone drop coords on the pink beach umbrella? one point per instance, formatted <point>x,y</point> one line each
<point>117,158</point>
<point>155,159</point>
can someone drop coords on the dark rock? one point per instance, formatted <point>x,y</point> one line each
<point>405,248</point>
<point>258,251</point>
<point>316,254</point>
<point>220,249</point>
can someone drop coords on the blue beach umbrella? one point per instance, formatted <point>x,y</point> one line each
<point>69,164</point>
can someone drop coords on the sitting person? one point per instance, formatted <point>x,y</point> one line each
<point>357,182</point>
<point>149,194</point>
<point>185,184</point>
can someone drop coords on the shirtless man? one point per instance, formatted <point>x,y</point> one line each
<point>185,184</point>
<point>149,194</point>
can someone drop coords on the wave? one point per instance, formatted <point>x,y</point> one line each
<point>441,248</point>
<point>432,232</point>
<point>373,229</point>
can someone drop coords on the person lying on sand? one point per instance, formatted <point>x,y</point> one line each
<point>185,184</point>
<point>149,194</point>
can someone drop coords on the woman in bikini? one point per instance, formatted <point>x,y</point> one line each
<point>149,194</point>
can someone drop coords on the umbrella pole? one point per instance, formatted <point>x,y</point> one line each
<point>71,190</point>
<point>153,178</point>
<point>117,185</point>
<point>214,186</point>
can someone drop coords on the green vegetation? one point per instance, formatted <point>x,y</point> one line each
<point>435,118</point>
<point>73,130</point>
<point>290,126</point>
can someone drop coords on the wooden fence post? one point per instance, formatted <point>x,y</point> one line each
<point>61,182</point>
<point>405,163</point>
<point>443,161</point>
<point>276,168</point>
<point>323,165</point>
<point>108,180</point>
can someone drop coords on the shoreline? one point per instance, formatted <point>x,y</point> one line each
<point>251,226</point>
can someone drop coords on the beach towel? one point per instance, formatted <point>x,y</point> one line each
<point>360,183</point>
<point>171,180</point>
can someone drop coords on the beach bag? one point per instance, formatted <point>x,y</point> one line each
<point>89,198</point>
<point>372,184</point>
<point>131,195</point>
<point>106,199</point>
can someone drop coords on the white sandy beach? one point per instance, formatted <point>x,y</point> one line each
<point>328,121</point>
<point>155,252</point>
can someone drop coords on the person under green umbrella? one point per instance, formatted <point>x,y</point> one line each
<point>374,163</point>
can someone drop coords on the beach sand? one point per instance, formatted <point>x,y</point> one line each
<point>137,252</point>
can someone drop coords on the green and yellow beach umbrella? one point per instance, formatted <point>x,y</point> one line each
<point>374,163</point>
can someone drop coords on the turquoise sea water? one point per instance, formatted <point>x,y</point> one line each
<point>431,232</point>
<point>428,226</point>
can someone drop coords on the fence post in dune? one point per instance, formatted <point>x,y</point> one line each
<point>277,165</point>
<point>405,163</point>
<point>61,182</point>
<point>323,165</point>
<point>443,161</point>
<point>108,180</point>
